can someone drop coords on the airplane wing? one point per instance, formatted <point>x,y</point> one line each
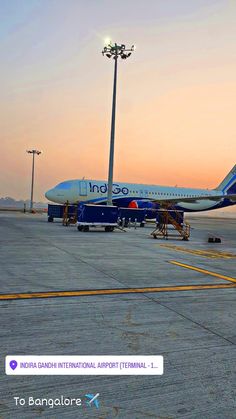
<point>96,403</point>
<point>193,199</point>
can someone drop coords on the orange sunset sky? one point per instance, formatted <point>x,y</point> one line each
<point>176,103</point>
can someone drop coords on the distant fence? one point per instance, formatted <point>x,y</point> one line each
<point>22,209</point>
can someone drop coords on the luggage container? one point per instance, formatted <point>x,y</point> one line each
<point>90,215</point>
<point>150,213</point>
<point>127,216</point>
<point>57,211</point>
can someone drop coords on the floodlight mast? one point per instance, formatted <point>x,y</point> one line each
<point>114,51</point>
<point>32,178</point>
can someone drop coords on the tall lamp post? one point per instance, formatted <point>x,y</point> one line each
<point>114,51</point>
<point>33,152</point>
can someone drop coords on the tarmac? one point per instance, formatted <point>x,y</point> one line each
<point>65,292</point>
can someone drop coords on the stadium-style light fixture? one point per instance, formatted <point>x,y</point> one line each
<point>114,51</point>
<point>33,152</point>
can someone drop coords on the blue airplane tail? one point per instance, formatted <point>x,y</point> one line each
<point>228,185</point>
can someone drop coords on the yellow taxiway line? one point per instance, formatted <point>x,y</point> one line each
<point>80,293</point>
<point>213,254</point>
<point>204,271</point>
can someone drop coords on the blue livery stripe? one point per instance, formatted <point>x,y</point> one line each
<point>230,181</point>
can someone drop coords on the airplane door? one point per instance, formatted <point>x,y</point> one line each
<point>141,193</point>
<point>146,193</point>
<point>83,188</point>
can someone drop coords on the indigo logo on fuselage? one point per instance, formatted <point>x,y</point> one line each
<point>103,189</point>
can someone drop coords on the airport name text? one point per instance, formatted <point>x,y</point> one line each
<point>83,365</point>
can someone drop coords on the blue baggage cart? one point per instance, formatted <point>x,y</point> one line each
<point>90,215</point>
<point>131,215</point>
<point>57,211</point>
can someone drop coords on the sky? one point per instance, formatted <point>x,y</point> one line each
<point>176,97</point>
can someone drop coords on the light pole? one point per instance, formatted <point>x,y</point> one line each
<point>32,180</point>
<point>114,51</point>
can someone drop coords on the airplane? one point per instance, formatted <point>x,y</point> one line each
<point>132,195</point>
<point>92,399</point>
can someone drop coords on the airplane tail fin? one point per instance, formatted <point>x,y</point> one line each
<point>228,185</point>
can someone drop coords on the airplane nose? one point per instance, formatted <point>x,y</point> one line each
<point>49,194</point>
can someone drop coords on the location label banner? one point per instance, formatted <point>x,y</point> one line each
<point>84,365</point>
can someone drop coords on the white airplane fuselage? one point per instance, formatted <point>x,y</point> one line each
<point>138,195</point>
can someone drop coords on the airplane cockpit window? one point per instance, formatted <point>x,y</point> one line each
<point>64,185</point>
